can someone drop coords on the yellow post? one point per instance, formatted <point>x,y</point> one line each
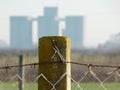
<point>54,75</point>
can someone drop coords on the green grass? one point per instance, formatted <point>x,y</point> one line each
<point>14,86</point>
<point>84,86</point>
<point>97,86</point>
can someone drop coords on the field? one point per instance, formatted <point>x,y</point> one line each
<point>96,86</point>
<point>84,86</point>
<point>78,71</point>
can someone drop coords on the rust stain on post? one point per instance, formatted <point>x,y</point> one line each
<point>53,72</point>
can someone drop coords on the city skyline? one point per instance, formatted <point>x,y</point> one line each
<point>102,17</point>
<point>21,29</point>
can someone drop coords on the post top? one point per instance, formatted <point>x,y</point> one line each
<point>53,37</point>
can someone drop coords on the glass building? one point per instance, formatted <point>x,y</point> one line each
<point>20,32</point>
<point>74,30</point>
<point>47,24</point>
<point>50,11</point>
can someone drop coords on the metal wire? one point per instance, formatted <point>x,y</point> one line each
<point>6,67</point>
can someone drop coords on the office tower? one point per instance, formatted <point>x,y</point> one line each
<point>20,32</point>
<point>47,24</point>
<point>50,11</point>
<point>74,30</point>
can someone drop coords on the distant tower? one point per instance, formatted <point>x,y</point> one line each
<point>20,32</point>
<point>47,24</point>
<point>74,30</point>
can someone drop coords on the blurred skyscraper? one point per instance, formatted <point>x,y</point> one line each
<point>74,30</point>
<point>20,32</point>
<point>47,24</point>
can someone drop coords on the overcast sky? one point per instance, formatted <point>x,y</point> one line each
<point>102,17</point>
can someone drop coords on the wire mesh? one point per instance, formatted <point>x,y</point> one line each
<point>84,77</point>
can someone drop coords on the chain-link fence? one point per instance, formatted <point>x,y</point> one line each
<point>84,76</point>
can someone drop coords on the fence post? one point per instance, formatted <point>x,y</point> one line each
<point>48,48</point>
<point>21,73</point>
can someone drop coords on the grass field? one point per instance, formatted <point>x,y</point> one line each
<point>84,86</point>
<point>97,86</point>
<point>76,69</point>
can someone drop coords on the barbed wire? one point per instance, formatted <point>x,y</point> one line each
<point>59,62</point>
<point>78,83</point>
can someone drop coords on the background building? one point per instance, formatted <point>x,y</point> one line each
<point>47,24</point>
<point>20,32</point>
<point>74,30</point>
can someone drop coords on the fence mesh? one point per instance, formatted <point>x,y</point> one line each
<point>84,77</point>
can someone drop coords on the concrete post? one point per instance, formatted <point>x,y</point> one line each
<point>54,49</point>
